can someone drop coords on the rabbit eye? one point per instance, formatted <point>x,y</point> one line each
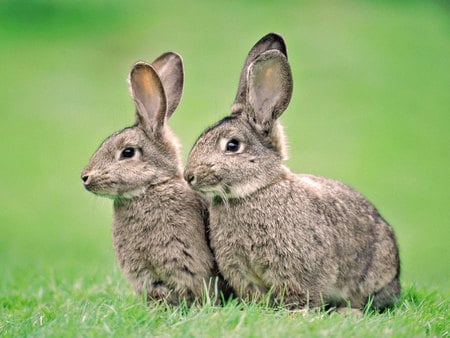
<point>232,145</point>
<point>127,153</point>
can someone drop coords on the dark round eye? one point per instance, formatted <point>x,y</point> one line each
<point>232,145</point>
<point>127,152</point>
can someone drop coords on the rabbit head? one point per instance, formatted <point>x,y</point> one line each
<point>146,153</point>
<point>243,152</point>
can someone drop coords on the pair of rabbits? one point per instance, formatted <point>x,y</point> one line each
<point>305,240</point>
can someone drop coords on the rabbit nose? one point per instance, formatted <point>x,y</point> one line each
<point>85,179</point>
<point>189,177</point>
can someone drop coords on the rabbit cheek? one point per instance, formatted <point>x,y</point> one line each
<point>242,190</point>
<point>130,183</point>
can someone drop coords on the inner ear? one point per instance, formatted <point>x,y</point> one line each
<point>149,97</point>
<point>270,41</point>
<point>269,88</point>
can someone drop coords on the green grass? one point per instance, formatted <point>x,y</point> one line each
<point>107,307</point>
<point>370,107</point>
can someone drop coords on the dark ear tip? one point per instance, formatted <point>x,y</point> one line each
<point>276,41</point>
<point>273,36</point>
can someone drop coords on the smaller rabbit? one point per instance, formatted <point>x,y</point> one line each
<point>307,240</point>
<point>159,228</point>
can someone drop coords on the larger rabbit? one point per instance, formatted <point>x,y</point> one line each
<point>159,228</point>
<point>308,240</point>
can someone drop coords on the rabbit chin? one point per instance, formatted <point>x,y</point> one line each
<point>214,193</point>
<point>120,194</point>
<point>229,192</point>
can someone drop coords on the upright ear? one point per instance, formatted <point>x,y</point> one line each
<point>269,89</point>
<point>170,70</point>
<point>149,97</point>
<point>267,42</point>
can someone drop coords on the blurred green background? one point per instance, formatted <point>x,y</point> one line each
<point>371,107</point>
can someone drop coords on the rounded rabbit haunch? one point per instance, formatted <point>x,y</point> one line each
<point>160,223</point>
<point>306,240</point>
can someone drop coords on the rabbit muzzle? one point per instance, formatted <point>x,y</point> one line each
<point>91,182</point>
<point>98,184</point>
<point>201,177</point>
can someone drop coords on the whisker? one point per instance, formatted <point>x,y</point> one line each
<point>223,196</point>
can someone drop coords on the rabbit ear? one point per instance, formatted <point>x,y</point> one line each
<point>170,69</point>
<point>267,42</point>
<point>149,97</point>
<point>269,89</point>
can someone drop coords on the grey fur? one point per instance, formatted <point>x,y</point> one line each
<point>159,227</point>
<point>308,240</point>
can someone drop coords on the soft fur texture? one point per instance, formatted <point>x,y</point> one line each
<point>160,223</point>
<point>308,240</point>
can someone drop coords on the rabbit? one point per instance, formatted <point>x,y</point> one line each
<point>306,241</point>
<point>160,223</point>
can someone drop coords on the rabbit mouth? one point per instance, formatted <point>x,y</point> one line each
<point>101,190</point>
<point>111,190</point>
